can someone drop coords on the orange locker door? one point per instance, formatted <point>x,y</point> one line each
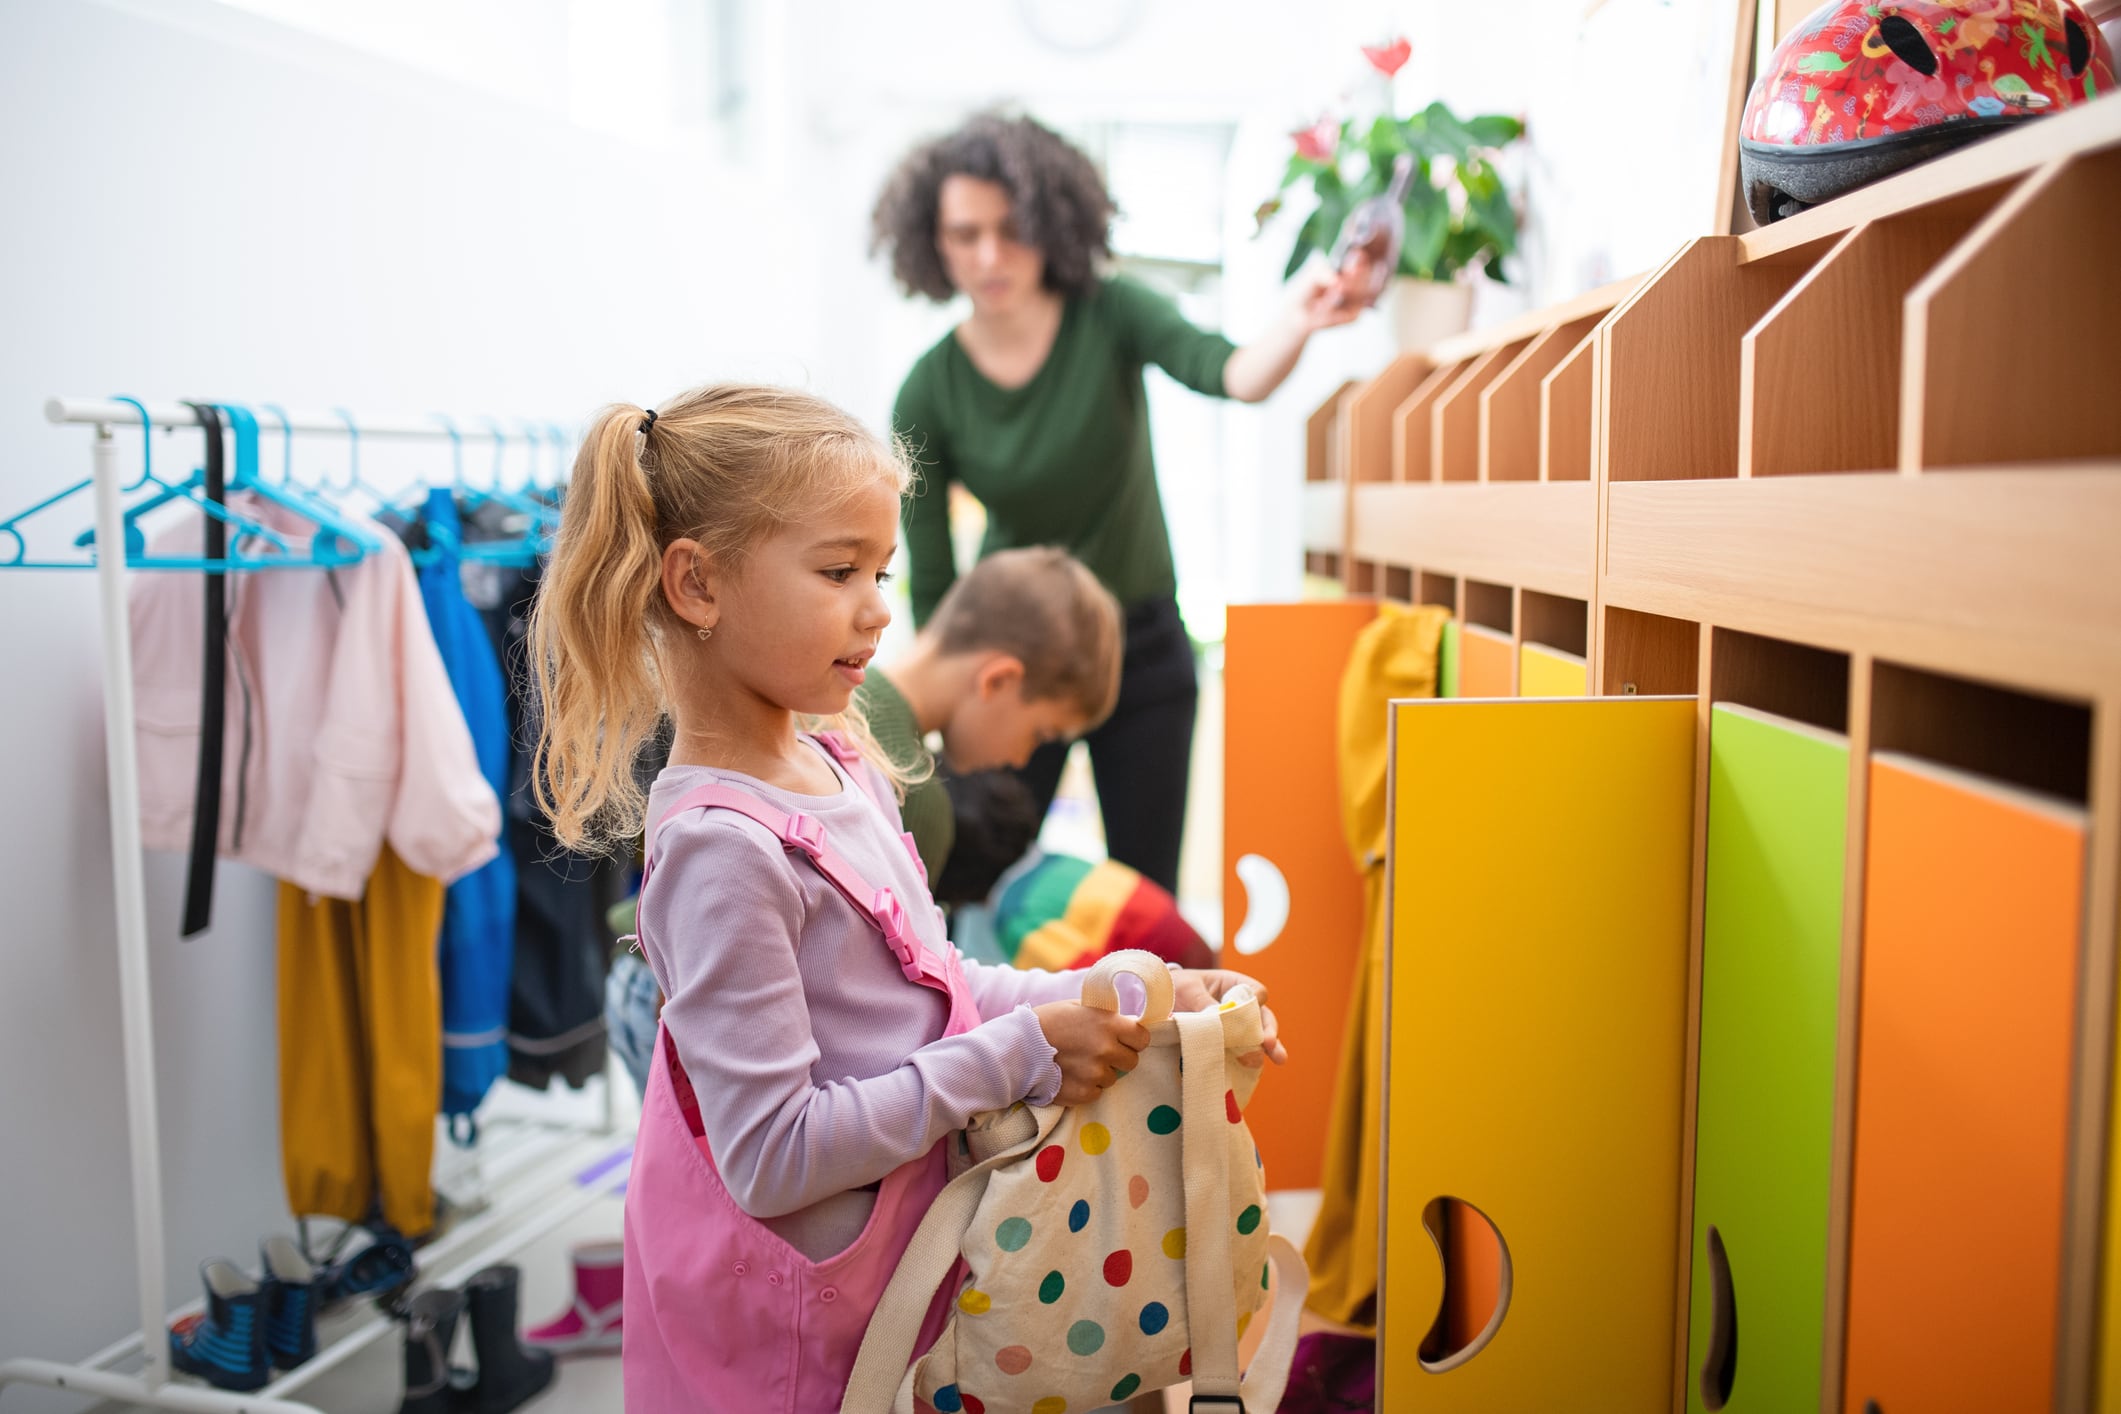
<point>1487,663</point>
<point>1292,912</point>
<point>1973,899</point>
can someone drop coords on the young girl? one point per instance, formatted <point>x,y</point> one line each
<point>722,560</point>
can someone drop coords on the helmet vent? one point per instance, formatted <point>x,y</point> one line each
<point>1907,42</point>
<point>2080,47</point>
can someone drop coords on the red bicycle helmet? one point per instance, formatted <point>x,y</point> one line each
<point>1863,88</point>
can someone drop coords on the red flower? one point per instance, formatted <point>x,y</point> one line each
<point>1387,59</point>
<point>1318,141</point>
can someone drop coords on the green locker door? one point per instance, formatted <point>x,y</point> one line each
<point>1770,985</point>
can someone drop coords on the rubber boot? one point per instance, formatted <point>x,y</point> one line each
<point>508,1373</point>
<point>430,1330</point>
<point>290,1302</point>
<point>591,1324</point>
<point>224,1344</point>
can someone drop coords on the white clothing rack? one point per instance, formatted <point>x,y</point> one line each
<point>538,1187</point>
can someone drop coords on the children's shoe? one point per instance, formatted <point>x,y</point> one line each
<point>430,1330</point>
<point>509,1374</point>
<point>290,1301</point>
<point>225,1343</point>
<point>382,1267</point>
<point>592,1325</point>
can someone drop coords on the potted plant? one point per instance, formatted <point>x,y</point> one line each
<point>1458,213</point>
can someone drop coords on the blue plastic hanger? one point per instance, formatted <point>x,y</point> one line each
<point>337,532</point>
<point>560,469</point>
<point>540,512</point>
<point>308,502</point>
<point>353,482</point>
<point>190,490</point>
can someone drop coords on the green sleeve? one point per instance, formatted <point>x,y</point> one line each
<point>930,559</point>
<point>1151,328</point>
<point>929,820</point>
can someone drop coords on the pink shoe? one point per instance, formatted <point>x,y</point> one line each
<point>592,1325</point>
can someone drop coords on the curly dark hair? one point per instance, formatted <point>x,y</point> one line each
<point>1055,193</point>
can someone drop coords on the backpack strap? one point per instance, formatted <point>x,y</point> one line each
<point>804,834</point>
<point>882,1381</point>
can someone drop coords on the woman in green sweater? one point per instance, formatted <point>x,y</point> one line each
<point>1035,404</point>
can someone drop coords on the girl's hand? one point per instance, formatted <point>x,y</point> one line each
<point>1197,990</point>
<point>1094,1047</point>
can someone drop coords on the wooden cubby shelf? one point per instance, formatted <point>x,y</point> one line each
<point>1455,424</point>
<point>2042,260</point>
<point>1649,655</point>
<point>1432,588</point>
<point>1851,485</point>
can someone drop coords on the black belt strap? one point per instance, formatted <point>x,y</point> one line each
<point>213,695</point>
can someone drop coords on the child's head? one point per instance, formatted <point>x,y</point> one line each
<point>1044,641</point>
<point>723,563</point>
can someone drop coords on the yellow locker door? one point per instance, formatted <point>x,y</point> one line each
<point>1540,863</point>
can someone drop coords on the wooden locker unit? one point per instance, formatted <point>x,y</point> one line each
<point>1535,1042</point>
<point>1900,339</point>
<point>1770,983</point>
<point>1293,899</point>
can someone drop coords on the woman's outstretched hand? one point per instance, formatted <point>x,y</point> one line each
<point>1327,299</point>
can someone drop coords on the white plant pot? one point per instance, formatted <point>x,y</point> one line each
<point>1425,311</point>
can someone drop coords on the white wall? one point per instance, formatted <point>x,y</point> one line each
<point>201,203</point>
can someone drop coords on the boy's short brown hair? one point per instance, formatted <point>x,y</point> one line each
<point>1043,607</point>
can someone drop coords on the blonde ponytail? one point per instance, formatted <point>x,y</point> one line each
<point>723,465</point>
<point>593,649</point>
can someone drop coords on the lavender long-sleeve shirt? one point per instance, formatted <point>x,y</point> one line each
<point>819,1067</point>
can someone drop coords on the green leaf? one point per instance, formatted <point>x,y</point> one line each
<point>1428,223</point>
<point>1317,233</point>
<point>1451,136</point>
<point>1494,129</point>
<point>1385,142</point>
<point>1488,208</point>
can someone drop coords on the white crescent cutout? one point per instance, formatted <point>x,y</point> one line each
<point>1266,904</point>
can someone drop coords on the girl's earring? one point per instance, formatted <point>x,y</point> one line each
<point>705,633</point>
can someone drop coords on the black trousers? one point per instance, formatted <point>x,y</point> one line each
<point>1143,754</point>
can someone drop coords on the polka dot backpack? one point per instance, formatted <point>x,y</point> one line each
<point>1109,1249</point>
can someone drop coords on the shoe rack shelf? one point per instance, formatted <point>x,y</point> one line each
<point>1858,475</point>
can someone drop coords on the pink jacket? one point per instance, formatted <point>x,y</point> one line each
<point>343,731</point>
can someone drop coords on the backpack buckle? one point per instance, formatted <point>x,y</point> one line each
<point>1212,1402</point>
<point>891,921</point>
<point>805,833</point>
